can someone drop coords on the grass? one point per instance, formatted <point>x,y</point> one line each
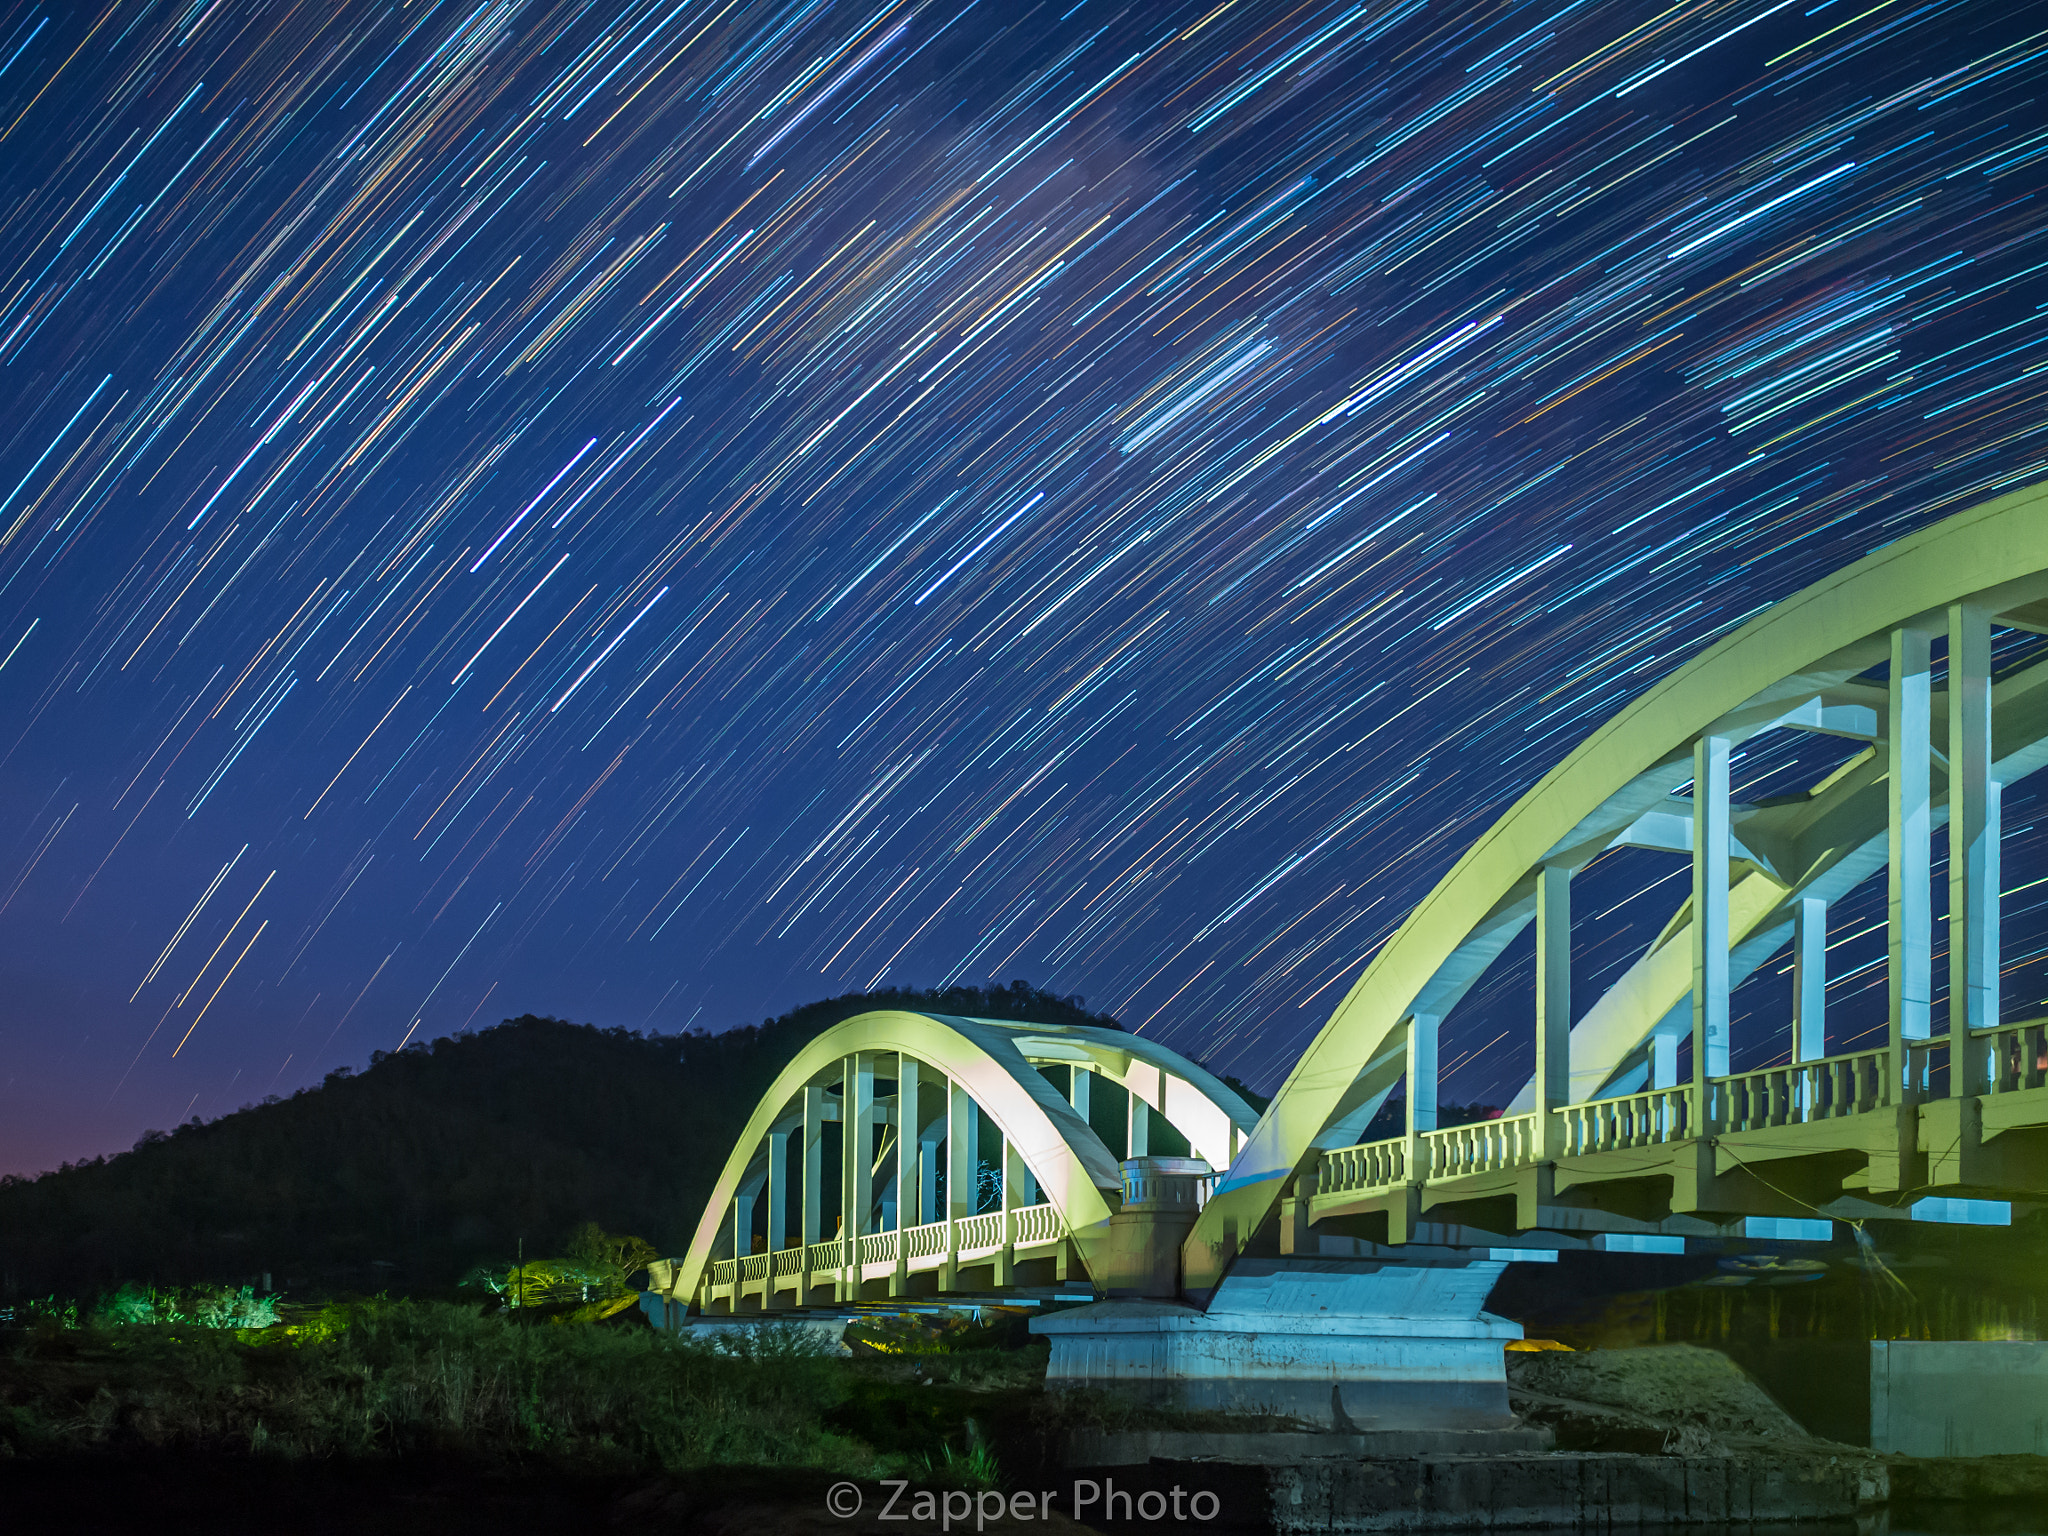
<point>403,1378</point>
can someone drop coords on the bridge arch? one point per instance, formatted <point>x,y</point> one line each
<point>1763,875</point>
<point>897,1208</point>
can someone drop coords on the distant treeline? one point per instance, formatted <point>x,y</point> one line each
<point>438,1157</point>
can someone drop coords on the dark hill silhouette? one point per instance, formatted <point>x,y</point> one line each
<point>437,1157</point>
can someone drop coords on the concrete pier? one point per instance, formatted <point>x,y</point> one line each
<point>1342,1346</point>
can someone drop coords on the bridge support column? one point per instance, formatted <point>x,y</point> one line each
<point>857,1171</point>
<point>907,1182</point>
<point>1710,827</point>
<point>778,1211</point>
<point>1952,1127</point>
<point>962,1185</point>
<point>1014,1176</point>
<point>1909,908</point>
<point>1346,1345</point>
<point>1423,1032</point>
<point>1553,1006</point>
<point>1810,979</point>
<point>811,1214</point>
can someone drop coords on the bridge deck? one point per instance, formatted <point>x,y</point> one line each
<point>1808,1111</point>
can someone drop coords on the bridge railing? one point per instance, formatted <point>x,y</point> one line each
<point>914,1247</point>
<point>1631,1120</point>
<point>2015,1056</point>
<point>1803,1092</point>
<point>1370,1165</point>
<point>1484,1146</point>
<point>1858,1083</point>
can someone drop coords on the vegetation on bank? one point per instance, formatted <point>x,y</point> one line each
<point>396,1378</point>
<point>437,1158</point>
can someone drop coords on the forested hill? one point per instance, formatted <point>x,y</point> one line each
<point>437,1157</point>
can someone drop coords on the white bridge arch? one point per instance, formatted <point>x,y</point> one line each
<point>1952,1104</point>
<point>895,1208</point>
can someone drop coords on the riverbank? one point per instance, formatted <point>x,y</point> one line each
<point>407,1416</point>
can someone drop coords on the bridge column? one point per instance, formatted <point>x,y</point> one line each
<point>1553,1005</point>
<point>857,1169</point>
<point>1954,1123</point>
<point>1709,920</point>
<point>778,1207</point>
<point>961,1184</point>
<point>1015,1176</point>
<point>1973,844</point>
<point>1423,1032</point>
<point>742,1243</point>
<point>907,1161</point>
<point>811,1214</point>
<point>1909,909</point>
<point>1809,979</point>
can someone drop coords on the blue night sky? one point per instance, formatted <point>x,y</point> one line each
<point>656,511</point>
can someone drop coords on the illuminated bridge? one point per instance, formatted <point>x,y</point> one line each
<point>911,1154</point>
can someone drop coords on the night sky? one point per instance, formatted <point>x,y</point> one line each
<point>658,512</point>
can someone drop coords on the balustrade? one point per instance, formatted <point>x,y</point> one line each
<point>2015,1056</point>
<point>1632,1120</point>
<point>1803,1092</point>
<point>1370,1165</point>
<point>1485,1146</point>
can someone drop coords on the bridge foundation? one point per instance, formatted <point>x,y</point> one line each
<point>1344,1346</point>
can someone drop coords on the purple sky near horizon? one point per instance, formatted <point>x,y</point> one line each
<point>657,511</point>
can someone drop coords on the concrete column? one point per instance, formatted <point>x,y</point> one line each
<point>906,1143</point>
<point>1014,1179</point>
<point>778,1190</point>
<point>928,1179</point>
<point>1553,1003</point>
<point>1809,979</point>
<point>1079,1081</point>
<point>1909,913</point>
<point>1663,1060</point>
<point>811,1220</point>
<point>742,1225</point>
<point>960,1133</point>
<point>1422,1088</point>
<point>1973,835</point>
<point>1709,917</point>
<point>857,1167</point>
<point>1138,1137</point>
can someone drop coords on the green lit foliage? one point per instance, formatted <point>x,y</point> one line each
<point>594,1281</point>
<point>202,1306</point>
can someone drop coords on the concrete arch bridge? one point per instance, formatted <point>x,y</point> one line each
<point>1919,661</point>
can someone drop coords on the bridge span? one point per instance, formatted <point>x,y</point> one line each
<point>910,1154</point>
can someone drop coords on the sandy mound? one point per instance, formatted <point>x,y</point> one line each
<point>1676,1398</point>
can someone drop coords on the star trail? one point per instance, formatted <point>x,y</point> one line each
<point>657,512</point>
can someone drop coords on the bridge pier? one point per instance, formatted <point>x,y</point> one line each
<point>1340,1345</point>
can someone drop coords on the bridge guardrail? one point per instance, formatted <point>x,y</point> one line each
<point>983,1231</point>
<point>1795,1094</point>
<point>1647,1119</point>
<point>1484,1146</point>
<point>1802,1092</point>
<point>2016,1056</point>
<point>1370,1165</point>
